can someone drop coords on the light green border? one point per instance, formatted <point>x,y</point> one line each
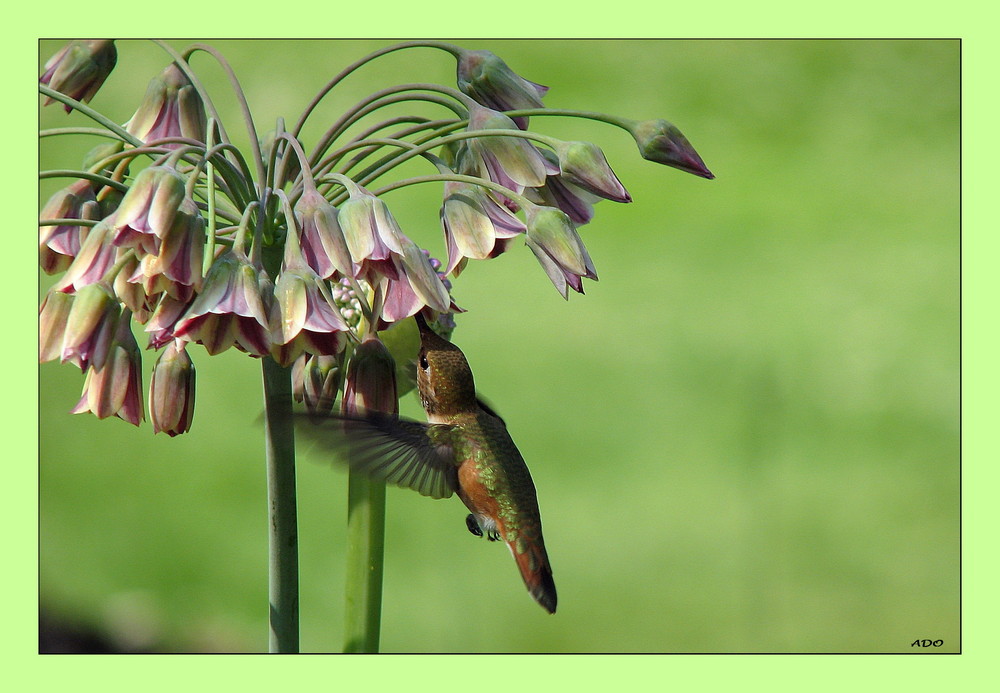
<point>491,673</point>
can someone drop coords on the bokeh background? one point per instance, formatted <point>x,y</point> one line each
<point>745,437</point>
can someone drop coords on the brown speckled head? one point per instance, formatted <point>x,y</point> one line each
<point>443,375</point>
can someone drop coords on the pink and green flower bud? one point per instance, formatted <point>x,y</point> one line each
<point>473,223</point>
<point>303,320</point>
<point>513,162</point>
<point>148,209</point>
<point>231,309</point>
<point>171,108</point>
<point>114,387</point>
<point>171,391</point>
<point>663,143</point>
<point>79,69</point>
<point>488,80</point>
<point>176,268</point>
<point>371,380</point>
<point>371,232</point>
<point>96,257</point>
<point>53,316</point>
<point>559,249</point>
<point>323,245</point>
<point>583,164</point>
<point>90,326</point>
<point>315,383</point>
<point>59,244</point>
<point>423,278</point>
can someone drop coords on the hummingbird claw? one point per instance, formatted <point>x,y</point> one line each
<point>493,535</point>
<point>470,522</point>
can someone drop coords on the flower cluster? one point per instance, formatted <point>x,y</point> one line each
<point>293,256</point>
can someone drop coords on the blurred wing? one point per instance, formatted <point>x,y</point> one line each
<point>398,451</point>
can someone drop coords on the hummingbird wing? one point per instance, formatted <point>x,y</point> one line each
<point>398,451</point>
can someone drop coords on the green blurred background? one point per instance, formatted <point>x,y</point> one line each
<point>745,437</point>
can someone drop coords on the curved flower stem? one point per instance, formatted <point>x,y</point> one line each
<point>358,63</point>
<point>283,544</point>
<point>103,121</point>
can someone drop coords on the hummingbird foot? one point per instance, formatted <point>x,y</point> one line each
<point>473,526</point>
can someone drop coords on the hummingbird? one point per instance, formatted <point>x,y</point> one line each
<point>464,449</point>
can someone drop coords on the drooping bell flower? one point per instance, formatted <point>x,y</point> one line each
<point>114,387</point>
<point>79,69</point>
<point>476,226</point>
<point>486,78</point>
<point>171,107</point>
<point>559,249</point>
<point>59,244</point>
<point>171,390</point>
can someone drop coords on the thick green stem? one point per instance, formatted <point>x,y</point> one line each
<point>363,581</point>
<point>283,544</point>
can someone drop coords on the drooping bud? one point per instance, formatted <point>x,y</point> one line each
<point>171,391</point>
<point>79,69</point>
<point>559,249</point>
<point>371,380</point>
<point>231,308</point>
<point>53,316</point>
<point>172,107</point>
<point>148,209</point>
<point>663,143</point>
<point>486,78</point>
<point>114,387</point>
<point>59,244</point>
<point>513,162</point>
<point>583,164</point>
<point>322,241</point>
<point>90,326</point>
<point>97,255</point>
<point>473,224</point>
<point>371,232</point>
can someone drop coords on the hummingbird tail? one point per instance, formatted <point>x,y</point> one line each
<point>537,574</point>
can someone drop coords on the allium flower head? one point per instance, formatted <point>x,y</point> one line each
<point>79,69</point>
<point>171,108</point>
<point>113,387</point>
<point>663,143</point>
<point>171,391</point>
<point>486,78</point>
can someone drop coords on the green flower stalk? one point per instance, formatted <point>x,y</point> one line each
<point>297,260</point>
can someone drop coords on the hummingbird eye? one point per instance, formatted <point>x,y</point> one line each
<point>423,361</point>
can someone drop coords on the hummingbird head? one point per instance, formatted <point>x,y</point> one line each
<point>444,378</point>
